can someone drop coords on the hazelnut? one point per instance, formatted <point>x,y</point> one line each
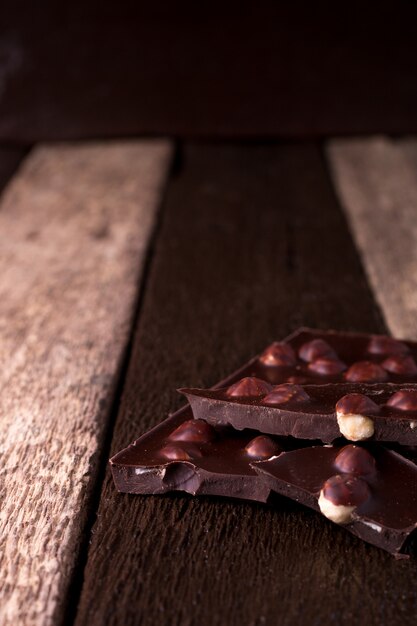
<point>279,354</point>
<point>316,349</point>
<point>285,393</point>
<point>366,371</point>
<point>355,460</point>
<point>402,364</point>
<point>379,344</point>
<point>249,386</point>
<point>352,412</point>
<point>327,367</point>
<point>341,495</point>
<point>196,431</point>
<point>262,447</point>
<point>405,400</point>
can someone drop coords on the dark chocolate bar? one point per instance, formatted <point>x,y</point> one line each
<point>386,412</point>
<point>372,491</point>
<point>183,454</point>
<point>318,357</point>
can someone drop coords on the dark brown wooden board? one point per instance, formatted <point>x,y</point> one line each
<point>252,244</point>
<point>193,69</point>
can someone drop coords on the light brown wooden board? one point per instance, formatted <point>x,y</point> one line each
<point>376,180</point>
<point>74,227</point>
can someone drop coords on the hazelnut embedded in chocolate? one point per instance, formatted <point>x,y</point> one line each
<point>366,372</point>
<point>402,364</point>
<point>327,367</point>
<point>262,448</point>
<point>341,495</point>
<point>353,413</point>
<point>285,393</point>
<point>355,460</point>
<point>249,386</point>
<point>279,354</point>
<point>196,431</point>
<point>386,345</point>
<point>172,452</point>
<point>316,349</point>
<point>405,400</point>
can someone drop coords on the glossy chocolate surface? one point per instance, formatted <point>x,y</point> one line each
<point>386,518</point>
<point>309,411</point>
<point>183,454</point>
<point>310,356</point>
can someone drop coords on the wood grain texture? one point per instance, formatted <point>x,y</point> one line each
<point>377,184</point>
<point>74,226</point>
<point>250,248</point>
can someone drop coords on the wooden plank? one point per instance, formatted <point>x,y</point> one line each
<point>253,244</point>
<point>273,71</point>
<point>74,227</point>
<point>377,185</point>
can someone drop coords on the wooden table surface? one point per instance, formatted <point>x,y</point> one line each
<point>133,268</point>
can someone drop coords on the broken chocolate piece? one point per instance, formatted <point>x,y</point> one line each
<point>379,507</point>
<point>219,464</point>
<point>320,357</point>
<point>324,412</point>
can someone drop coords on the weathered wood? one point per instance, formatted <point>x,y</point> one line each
<point>377,184</point>
<point>74,227</point>
<point>253,244</point>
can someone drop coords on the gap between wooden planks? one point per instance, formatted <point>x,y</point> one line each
<point>74,227</point>
<point>376,179</point>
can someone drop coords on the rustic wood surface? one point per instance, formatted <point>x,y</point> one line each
<point>377,184</point>
<point>74,227</point>
<point>252,245</point>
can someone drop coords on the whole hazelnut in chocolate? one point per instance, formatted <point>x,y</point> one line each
<point>249,386</point>
<point>262,447</point>
<point>196,431</point>
<point>353,413</point>
<point>341,495</point>
<point>279,354</point>
<point>285,393</point>
<point>402,364</point>
<point>366,372</point>
<point>355,460</point>
<point>386,345</point>
<point>173,452</point>
<point>327,367</point>
<point>405,400</point>
<point>316,349</point>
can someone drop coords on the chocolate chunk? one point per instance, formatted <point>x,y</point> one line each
<point>401,364</point>
<point>328,356</point>
<point>283,394</point>
<point>386,345</point>
<point>325,412</point>
<point>366,372</point>
<point>355,460</point>
<point>404,400</point>
<point>194,430</point>
<point>379,507</point>
<point>219,465</point>
<point>262,447</point>
<point>248,387</point>
<point>316,349</point>
<point>278,354</point>
<point>326,367</point>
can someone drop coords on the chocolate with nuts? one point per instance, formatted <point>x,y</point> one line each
<point>319,357</point>
<point>372,491</point>
<point>357,412</point>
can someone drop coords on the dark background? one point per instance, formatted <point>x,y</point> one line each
<point>206,69</point>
